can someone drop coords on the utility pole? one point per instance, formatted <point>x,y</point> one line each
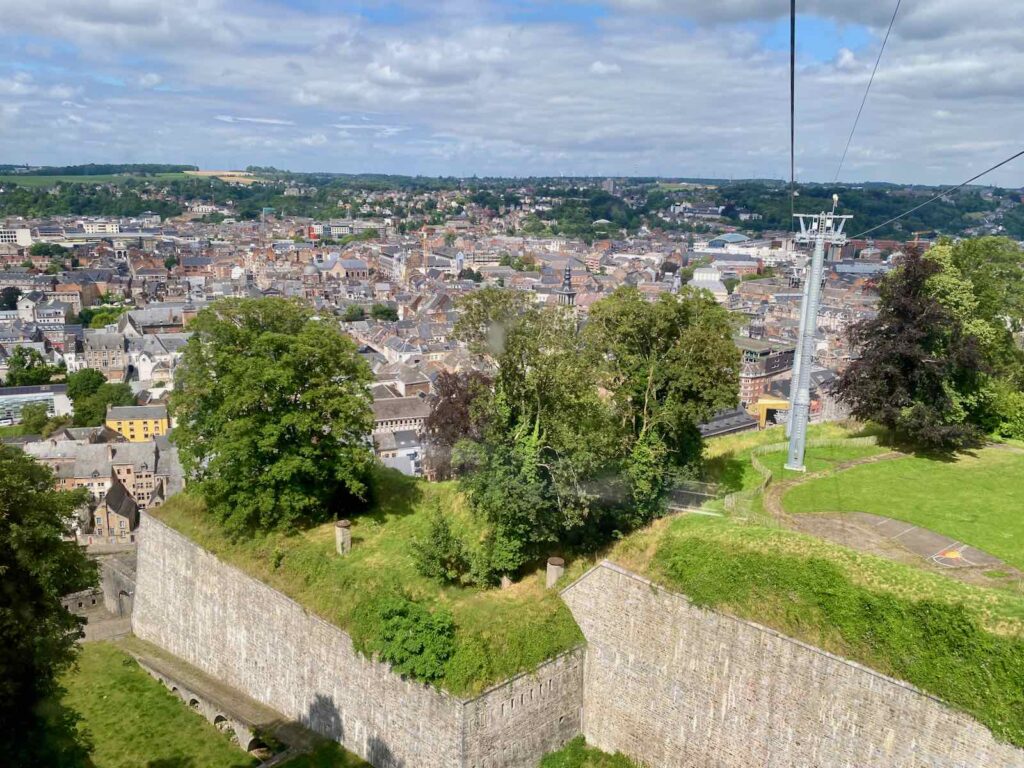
<point>818,229</point>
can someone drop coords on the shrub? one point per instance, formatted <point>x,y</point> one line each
<point>414,640</point>
<point>441,555</point>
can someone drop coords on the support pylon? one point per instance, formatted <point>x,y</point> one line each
<point>820,229</point>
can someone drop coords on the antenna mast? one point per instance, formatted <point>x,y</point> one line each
<point>818,229</point>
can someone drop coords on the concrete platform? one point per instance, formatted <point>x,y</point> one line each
<point>932,546</point>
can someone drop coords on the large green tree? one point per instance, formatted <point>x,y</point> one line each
<point>548,437</point>
<point>38,637</point>
<point>27,367</point>
<point>273,412</point>
<point>924,366</point>
<point>84,383</point>
<point>91,409</point>
<point>667,366</point>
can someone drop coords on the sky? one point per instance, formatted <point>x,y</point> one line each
<point>692,88</point>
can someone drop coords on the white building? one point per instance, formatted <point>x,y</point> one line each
<point>101,227</point>
<point>21,236</point>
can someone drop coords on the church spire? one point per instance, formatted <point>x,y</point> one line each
<point>566,295</point>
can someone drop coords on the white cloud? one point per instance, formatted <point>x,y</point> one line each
<point>256,120</point>
<point>600,68</point>
<point>460,92</point>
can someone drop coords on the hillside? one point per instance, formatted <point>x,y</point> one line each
<point>960,641</point>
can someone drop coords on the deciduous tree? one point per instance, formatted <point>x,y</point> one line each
<point>453,416</point>
<point>921,372</point>
<point>27,367</point>
<point>38,636</point>
<point>273,411</point>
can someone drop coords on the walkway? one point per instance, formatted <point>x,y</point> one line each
<point>889,538</point>
<point>216,697</point>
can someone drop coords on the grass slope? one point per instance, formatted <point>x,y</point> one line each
<point>499,632</point>
<point>576,754</point>
<point>976,499</point>
<point>727,459</point>
<point>134,721</point>
<point>963,644</point>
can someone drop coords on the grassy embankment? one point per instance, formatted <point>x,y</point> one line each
<point>133,720</point>
<point>962,643</point>
<point>576,754</point>
<point>498,632</point>
<point>728,459</point>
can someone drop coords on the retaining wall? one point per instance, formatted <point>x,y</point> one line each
<point>267,646</point>
<point>671,684</point>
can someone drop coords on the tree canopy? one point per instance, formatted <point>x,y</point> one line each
<point>38,636</point>
<point>27,367</point>
<point>938,364</point>
<point>273,411</point>
<point>583,432</point>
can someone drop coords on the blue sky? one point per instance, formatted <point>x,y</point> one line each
<point>665,87</point>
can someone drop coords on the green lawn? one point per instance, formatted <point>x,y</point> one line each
<point>576,754</point>
<point>498,632</point>
<point>818,458</point>
<point>727,459</point>
<point>28,180</point>
<point>977,499</point>
<point>961,643</point>
<point>134,721</point>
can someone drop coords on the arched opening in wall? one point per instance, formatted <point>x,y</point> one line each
<point>174,689</point>
<point>221,723</point>
<point>194,704</point>
<point>258,748</point>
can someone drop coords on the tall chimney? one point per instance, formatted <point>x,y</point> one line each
<point>556,567</point>
<point>343,537</point>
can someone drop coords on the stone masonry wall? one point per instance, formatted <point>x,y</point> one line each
<point>514,724</point>
<point>671,684</point>
<point>259,641</point>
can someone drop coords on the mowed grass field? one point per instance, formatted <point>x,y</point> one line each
<point>498,632</point>
<point>134,721</point>
<point>977,499</point>
<point>28,180</point>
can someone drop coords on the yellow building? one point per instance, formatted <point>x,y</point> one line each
<point>138,423</point>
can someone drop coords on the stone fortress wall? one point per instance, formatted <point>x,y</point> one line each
<point>671,684</point>
<point>267,646</point>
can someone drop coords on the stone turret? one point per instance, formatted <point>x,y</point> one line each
<point>343,537</point>
<point>556,567</point>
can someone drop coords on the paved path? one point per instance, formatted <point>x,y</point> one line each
<point>889,538</point>
<point>229,700</point>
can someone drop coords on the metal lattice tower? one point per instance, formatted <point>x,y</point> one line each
<point>821,229</point>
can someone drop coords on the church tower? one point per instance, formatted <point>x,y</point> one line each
<point>566,295</point>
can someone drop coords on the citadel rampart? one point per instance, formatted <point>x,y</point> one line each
<point>664,681</point>
<point>671,684</point>
<point>264,644</point>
